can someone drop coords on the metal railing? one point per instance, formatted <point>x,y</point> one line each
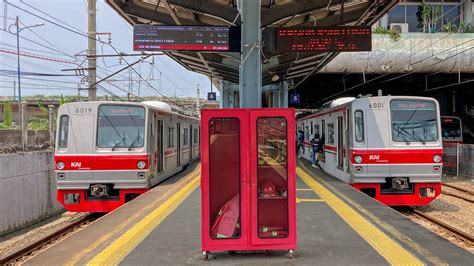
<point>458,159</point>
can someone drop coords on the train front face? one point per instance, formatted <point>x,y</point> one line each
<point>399,160</point>
<point>101,156</point>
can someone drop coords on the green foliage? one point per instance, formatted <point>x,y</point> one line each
<point>428,17</point>
<point>38,124</point>
<point>7,114</point>
<point>61,100</point>
<point>43,109</point>
<point>469,28</point>
<point>394,35</point>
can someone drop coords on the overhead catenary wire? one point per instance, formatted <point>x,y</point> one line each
<point>96,39</point>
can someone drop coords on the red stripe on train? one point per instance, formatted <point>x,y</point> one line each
<point>396,156</point>
<point>101,162</point>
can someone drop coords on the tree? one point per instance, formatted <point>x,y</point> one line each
<point>7,113</point>
<point>61,100</point>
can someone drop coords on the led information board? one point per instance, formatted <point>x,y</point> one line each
<point>324,39</point>
<point>193,38</point>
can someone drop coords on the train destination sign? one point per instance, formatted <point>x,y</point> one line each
<point>193,38</point>
<point>324,39</point>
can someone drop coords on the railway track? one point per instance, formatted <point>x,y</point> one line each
<point>464,191</point>
<point>443,225</point>
<point>39,244</point>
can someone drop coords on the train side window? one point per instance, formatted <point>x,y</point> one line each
<point>311,127</point>
<point>330,134</point>
<point>63,131</point>
<point>195,135</point>
<point>359,125</point>
<point>170,137</point>
<point>185,133</point>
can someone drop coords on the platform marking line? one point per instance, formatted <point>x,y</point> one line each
<point>299,200</point>
<point>392,230</point>
<point>384,245</point>
<point>121,247</point>
<point>304,189</point>
<point>80,255</point>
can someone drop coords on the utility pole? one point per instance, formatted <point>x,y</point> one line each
<point>198,100</point>
<point>91,50</point>
<point>14,88</point>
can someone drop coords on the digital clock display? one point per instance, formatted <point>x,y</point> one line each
<point>192,38</point>
<point>324,39</point>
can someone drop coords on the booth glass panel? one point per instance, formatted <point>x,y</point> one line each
<point>272,177</point>
<point>224,178</point>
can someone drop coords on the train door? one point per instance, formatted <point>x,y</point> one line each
<point>82,143</point>
<point>340,145</point>
<point>178,152</point>
<point>378,136</point>
<point>323,135</point>
<point>190,143</point>
<point>159,136</point>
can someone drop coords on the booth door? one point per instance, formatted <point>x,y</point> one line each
<point>224,188</point>
<point>272,176</point>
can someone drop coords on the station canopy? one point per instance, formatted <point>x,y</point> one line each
<point>274,13</point>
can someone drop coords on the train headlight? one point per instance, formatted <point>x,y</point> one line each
<point>437,158</point>
<point>60,165</point>
<point>141,164</point>
<point>358,159</point>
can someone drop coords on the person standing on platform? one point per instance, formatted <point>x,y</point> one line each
<point>315,141</point>
<point>300,143</point>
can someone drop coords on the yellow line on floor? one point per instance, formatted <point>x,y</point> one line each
<point>383,244</point>
<point>392,230</point>
<point>121,247</point>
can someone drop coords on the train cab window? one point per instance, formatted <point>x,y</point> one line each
<point>185,136</point>
<point>414,121</point>
<point>121,126</point>
<point>359,126</point>
<point>63,131</point>
<point>170,137</point>
<point>330,139</point>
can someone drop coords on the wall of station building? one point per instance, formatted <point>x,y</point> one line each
<point>27,189</point>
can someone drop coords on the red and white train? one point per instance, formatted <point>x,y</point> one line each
<point>389,147</point>
<point>108,153</point>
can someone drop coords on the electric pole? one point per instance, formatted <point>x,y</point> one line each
<point>198,100</point>
<point>91,50</point>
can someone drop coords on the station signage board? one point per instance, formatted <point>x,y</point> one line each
<point>295,98</point>
<point>184,38</point>
<point>211,96</point>
<point>323,39</point>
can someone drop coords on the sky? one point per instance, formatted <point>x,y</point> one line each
<point>55,44</point>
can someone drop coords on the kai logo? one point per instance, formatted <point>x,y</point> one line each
<point>76,164</point>
<point>374,157</point>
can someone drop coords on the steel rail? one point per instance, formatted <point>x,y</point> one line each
<point>444,225</point>
<point>457,196</point>
<point>468,191</point>
<point>9,259</point>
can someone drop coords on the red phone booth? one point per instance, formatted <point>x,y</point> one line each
<point>248,180</point>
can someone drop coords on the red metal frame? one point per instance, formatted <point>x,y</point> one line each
<point>413,199</point>
<point>249,239</point>
<point>95,205</point>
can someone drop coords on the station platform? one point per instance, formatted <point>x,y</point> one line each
<point>336,225</point>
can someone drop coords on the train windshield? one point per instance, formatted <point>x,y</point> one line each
<point>414,121</point>
<point>120,126</point>
<point>451,128</point>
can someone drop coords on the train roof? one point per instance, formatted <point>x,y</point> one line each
<point>152,105</point>
<point>347,101</point>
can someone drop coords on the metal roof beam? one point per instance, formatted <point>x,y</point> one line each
<point>207,7</point>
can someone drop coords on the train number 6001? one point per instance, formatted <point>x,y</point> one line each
<point>375,105</point>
